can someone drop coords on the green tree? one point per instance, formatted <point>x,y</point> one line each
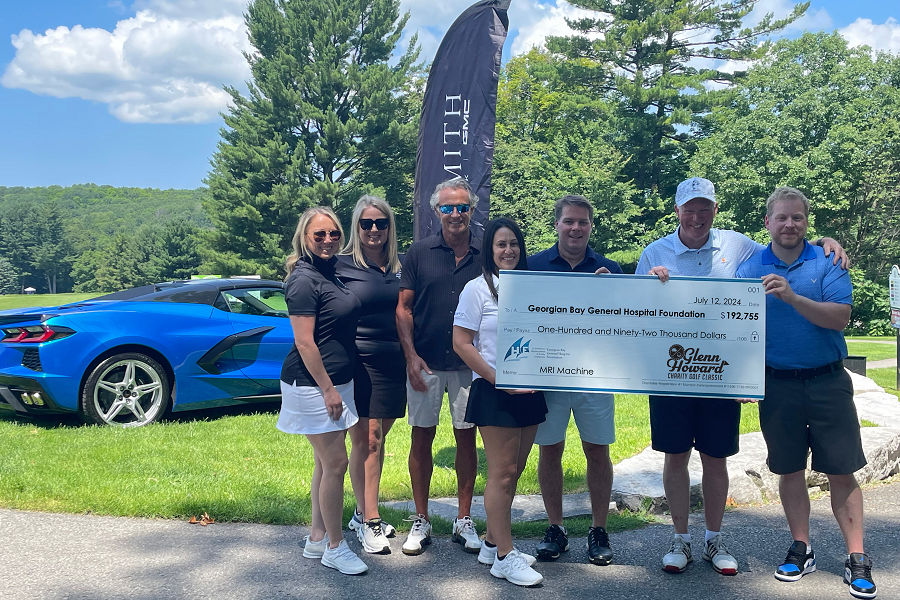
<point>320,120</point>
<point>871,313</point>
<point>34,240</point>
<point>9,278</point>
<point>116,268</point>
<point>154,252</point>
<point>551,140</point>
<point>17,240</point>
<point>50,234</point>
<point>50,253</point>
<point>179,250</point>
<point>822,117</point>
<point>657,59</point>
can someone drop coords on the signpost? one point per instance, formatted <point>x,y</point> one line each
<point>895,311</point>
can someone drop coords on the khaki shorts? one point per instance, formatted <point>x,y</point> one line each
<point>425,407</point>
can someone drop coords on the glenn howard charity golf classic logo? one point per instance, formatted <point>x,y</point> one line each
<point>689,363</point>
<point>517,349</point>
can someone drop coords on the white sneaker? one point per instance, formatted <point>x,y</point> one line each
<point>356,522</point>
<point>464,533</point>
<point>678,557</point>
<point>344,560</point>
<point>419,535</point>
<point>721,559</point>
<point>372,538</point>
<point>488,555</point>
<point>514,568</point>
<point>315,549</point>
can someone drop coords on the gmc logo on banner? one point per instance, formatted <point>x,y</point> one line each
<point>456,133</point>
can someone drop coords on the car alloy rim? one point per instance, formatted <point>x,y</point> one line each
<point>128,393</point>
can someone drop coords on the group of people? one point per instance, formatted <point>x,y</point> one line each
<point>373,339</point>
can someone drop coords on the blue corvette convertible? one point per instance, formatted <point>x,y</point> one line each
<point>126,358</point>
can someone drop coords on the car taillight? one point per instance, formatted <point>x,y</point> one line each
<point>35,334</point>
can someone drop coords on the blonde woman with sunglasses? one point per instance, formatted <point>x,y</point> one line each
<point>317,378</point>
<point>370,267</point>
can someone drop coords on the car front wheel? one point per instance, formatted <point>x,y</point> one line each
<point>126,390</point>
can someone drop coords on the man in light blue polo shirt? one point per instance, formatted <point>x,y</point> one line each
<point>809,396</point>
<point>711,425</point>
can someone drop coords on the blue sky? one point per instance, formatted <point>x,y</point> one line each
<point>126,92</point>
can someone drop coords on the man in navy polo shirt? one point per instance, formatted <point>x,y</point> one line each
<point>594,413</point>
<point>809,396</point>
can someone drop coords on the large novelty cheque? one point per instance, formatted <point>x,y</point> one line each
<point>632,334</point>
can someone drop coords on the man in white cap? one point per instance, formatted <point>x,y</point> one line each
<point>711,425</point>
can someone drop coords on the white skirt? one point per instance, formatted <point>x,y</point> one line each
<point>303,410</point>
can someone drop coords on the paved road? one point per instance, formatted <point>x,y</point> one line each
<point>53,557</point>
<point>881,364</point>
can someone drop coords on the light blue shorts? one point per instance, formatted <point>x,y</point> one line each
<point>594,416</point>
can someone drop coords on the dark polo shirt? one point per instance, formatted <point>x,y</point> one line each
<point>378,291</point>
<point>313,290</point>
<point>550,260</point>
<point>430,270</point>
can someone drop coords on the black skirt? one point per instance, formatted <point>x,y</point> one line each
<point>379,385</point>
<point>490,407</point>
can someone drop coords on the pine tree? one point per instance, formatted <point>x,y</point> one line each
<point>9,278</point>
<point>50,255</point>
<point>321,116</point>
<point>552,140</point>
<point>823,117</point>
<point>659,59</point>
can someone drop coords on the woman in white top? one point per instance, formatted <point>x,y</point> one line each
<point>507,419</point>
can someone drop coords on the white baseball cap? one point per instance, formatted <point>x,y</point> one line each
<point>695,187</point>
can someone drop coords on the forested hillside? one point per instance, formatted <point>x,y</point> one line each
<point>96,238</point>
<point>108,209</point>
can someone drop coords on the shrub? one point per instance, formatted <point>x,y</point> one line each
<point>871,309</point>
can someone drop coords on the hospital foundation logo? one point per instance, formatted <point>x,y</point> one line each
<point>692,360</point>
<point>517,349</point>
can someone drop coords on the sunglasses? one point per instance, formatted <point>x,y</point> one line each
<point>380,224</point>
<point>447,209</point>
<point>319,236</point>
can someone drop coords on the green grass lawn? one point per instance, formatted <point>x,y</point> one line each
<point>886,378</point>
<point>236,466</point>
<point>871,338</point>
<point>871,351</point>
<point>26,300</point>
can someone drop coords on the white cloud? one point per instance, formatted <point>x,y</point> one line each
<point>878,37</point>
<point>166,64</point>
<point>530,22</point>
<point>430,20</point>
<point>536,20</point>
